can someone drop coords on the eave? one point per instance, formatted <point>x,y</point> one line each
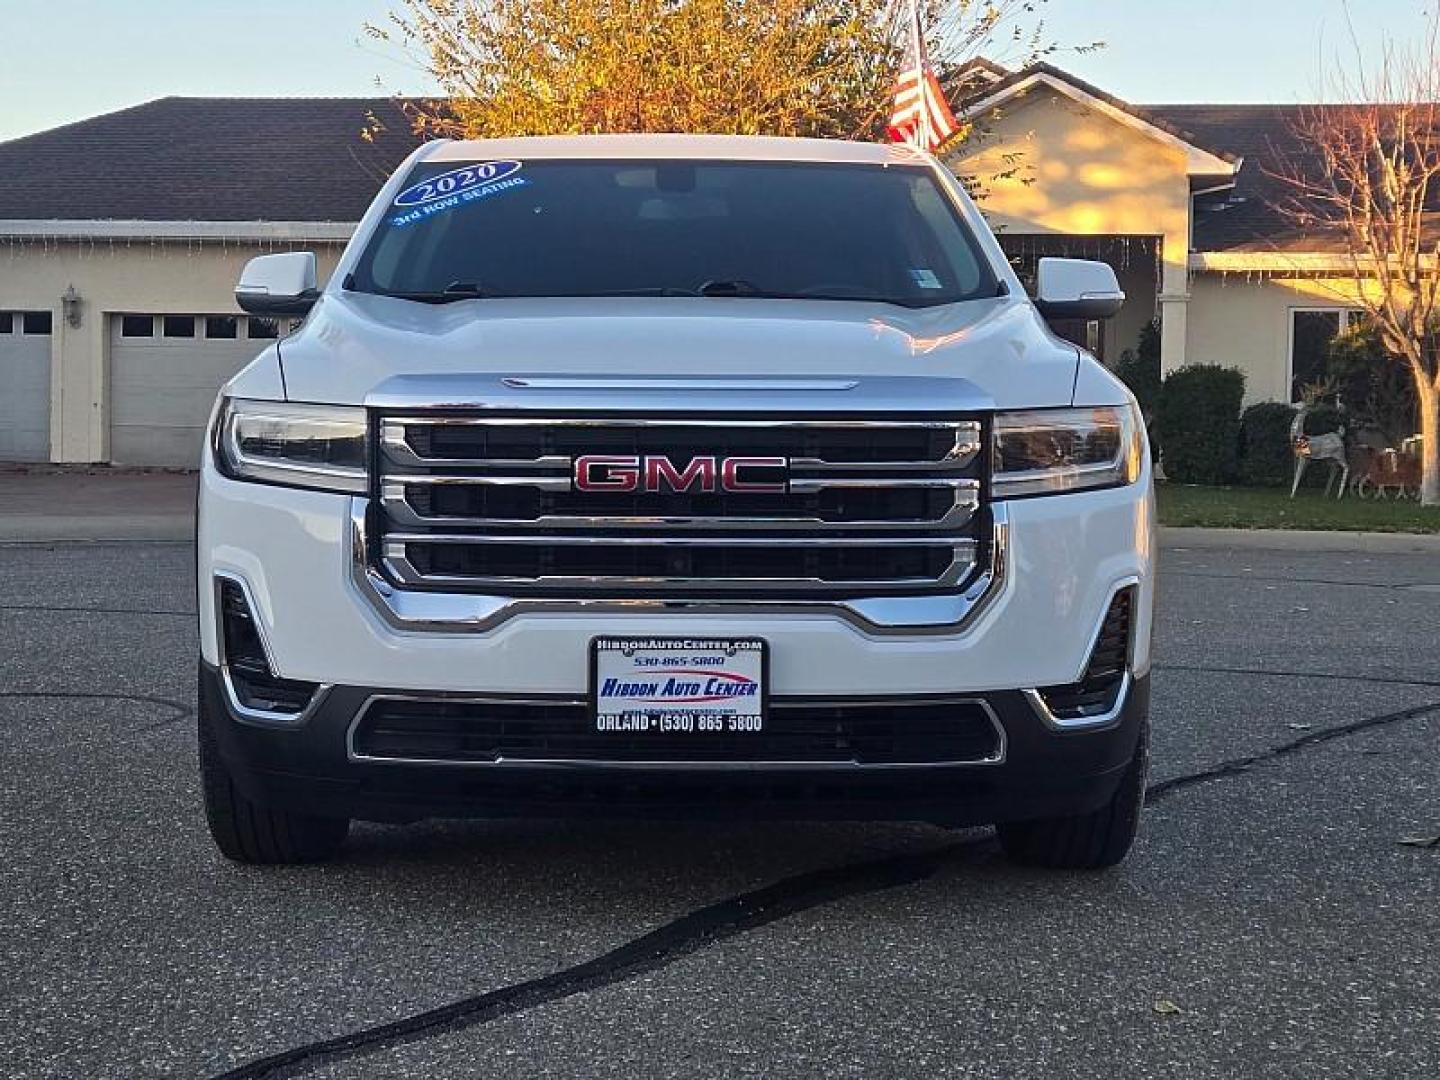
<point>322,232</point>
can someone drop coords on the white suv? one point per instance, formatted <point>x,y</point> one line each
<point>667,476</point>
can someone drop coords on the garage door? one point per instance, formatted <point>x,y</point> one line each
<point>165,371</point>
<point>24,386</point>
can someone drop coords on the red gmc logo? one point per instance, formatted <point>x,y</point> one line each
<point>656,473</point>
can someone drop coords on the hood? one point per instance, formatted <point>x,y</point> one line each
<point>353,344</point>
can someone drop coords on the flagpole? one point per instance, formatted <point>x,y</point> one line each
<point>917,46</point>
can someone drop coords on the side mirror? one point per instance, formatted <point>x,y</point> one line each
<point>1077,289</point>
<point>278,284</point>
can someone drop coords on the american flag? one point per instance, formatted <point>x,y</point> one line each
<point>921,117</point>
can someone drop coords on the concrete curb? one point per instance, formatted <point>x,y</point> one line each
<point>1301,540</point>
<point>69,529</point>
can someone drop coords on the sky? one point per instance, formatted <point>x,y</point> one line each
<point>65,60</point>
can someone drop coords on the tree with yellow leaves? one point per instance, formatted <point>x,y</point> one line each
<point>750,67</point>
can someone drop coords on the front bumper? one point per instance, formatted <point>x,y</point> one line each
<point>1065,558</point>
<point>295,553</point>
<point>308,767</point>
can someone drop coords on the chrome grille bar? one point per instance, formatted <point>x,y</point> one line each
<point>956,513</point>
<point>402,567</point>
<point>395,442</point>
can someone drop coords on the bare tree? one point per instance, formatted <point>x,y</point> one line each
<point>1367,172</point>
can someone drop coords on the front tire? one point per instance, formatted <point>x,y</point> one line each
<point>1092,841</point>
<point>246,831</point>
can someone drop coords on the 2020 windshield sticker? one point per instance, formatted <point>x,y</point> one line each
<point>455,188</point>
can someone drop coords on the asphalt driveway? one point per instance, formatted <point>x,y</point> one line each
<point>1270,923</point>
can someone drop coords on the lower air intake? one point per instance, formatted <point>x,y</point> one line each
<point>481,732</point>
<point>255,685</point>
<point>1098,690</point>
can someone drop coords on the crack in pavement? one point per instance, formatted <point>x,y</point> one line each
<point>1237,766</point>
<point>659,948</point>
<point>1387,680</point>
<point>97,541</point>
<point>717,923</point>
<point>180,710</point>
<point>97,610</point>
<point>1400,586</point>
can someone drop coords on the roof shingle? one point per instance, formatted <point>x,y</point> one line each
<point>304,160</point>
<point>207,159</point>
<point>1248,216</point>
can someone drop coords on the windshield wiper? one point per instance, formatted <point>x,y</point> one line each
<point>456,290</point>
<point>739,287</point>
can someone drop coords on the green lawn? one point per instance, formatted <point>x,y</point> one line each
<point>1272,508</point>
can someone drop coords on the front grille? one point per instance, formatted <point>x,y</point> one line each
<point>1095,693</point>
<point>923,732</point>
<point>857,506</point>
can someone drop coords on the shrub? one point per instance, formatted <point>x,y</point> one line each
<point>1324,418</point>
<point>1197,423</point>
<point>1265,456</point>
<point>1139,368</point>
<point>1377,391</point>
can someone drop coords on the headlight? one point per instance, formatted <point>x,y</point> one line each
<point>1050,451</point>
<point>310,446</point>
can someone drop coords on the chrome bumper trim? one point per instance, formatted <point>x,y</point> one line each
<point>1082,723</point>
<point>415,611</point>
<point>241,711</point>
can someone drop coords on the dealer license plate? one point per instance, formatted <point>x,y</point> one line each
<point>678,686</point>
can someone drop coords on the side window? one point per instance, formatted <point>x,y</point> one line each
<point>1311,332</point>
<point>36,322</point>
<point>226,327</point>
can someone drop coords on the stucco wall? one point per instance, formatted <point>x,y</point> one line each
<point>119,276</point>
<point>1079,170</point>
<point>1240,320</point>
<point>1091,174</point>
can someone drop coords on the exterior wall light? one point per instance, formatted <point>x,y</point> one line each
<point>70,303</point>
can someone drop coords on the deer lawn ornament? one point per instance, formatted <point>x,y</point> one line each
<point>1328,447</point>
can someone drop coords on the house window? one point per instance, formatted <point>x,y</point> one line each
<point>179,325</point>
<point>137,326</point>
<point>36,322</point>
<point>1311,332</point>
<point>222,326</point>
<point>7,321</point>
<point>263,328</point>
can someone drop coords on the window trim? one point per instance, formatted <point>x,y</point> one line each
<point>1347,315</point>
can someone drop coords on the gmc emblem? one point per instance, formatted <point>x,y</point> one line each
<point>656,473</point>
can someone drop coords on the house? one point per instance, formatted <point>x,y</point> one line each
<point>121,238</point>
<point>1183,200</point>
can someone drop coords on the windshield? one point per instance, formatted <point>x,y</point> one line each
<point>673,228</point>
